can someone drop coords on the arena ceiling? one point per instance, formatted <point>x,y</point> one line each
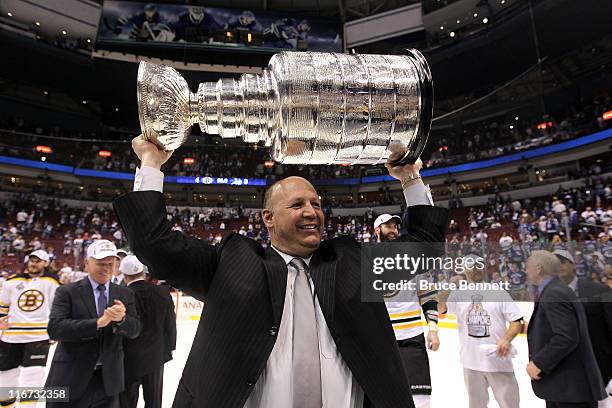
<point>480,62</point>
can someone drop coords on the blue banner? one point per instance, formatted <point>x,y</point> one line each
<point>527,154</point>
<point>232,181</point>
<point>173,23</point>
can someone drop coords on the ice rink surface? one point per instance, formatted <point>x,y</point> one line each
<point>447,374</point>
<point>447,377</point>
<point>446,371</point>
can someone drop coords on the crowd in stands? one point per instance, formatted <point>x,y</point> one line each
<point>477,141</point>
<point>503,232</point>
<point>483,140</point>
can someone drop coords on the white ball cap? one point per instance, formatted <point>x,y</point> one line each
<point>130,265</point>
<point>382,218</point>
<point>101,249</point>
<point>40,254</point>
<point>562,253</point>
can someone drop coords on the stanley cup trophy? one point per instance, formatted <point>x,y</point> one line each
<point>307,107</point>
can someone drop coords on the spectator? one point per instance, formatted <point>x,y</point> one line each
<point>35,244</point>
<point>21,217</point>
<point>505,242</point>
<point>77,247</point>
<point>18,246</point>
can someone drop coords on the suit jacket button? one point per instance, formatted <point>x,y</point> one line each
<point>273,331</point>
<point>250,383</point>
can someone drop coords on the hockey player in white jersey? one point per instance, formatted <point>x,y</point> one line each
<point>25,304</point>
<point>404,309</point>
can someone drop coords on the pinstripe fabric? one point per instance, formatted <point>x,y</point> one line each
<point>244,285</point>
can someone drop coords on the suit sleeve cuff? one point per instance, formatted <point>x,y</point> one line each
<point>418,194</point>
<point>148,179</point>
<point>90,329</point>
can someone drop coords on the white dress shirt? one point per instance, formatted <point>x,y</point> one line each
<point>273,388</point>
<point>574,285</point>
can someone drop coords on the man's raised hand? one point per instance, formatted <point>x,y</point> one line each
<point>116,313</point>
<point>149,154</point>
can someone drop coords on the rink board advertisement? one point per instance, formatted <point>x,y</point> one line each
<point>186,307</point>
<point>170,23</point>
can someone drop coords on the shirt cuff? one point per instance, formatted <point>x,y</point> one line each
<point>148,179</point>
<point>418,194</point>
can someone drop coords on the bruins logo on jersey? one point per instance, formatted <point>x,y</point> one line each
<point>30,300</point>
<point>390,293</point>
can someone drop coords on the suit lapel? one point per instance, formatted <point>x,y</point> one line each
<point>276,272</point>
<point>88,297</point>
<point>323,274</point>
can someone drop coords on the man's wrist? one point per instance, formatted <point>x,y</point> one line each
<point>433,327</point>
<point>150,163</point>
<point>410,179</point>
<point>102,322</point>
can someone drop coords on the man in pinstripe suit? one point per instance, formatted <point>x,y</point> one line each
<point>247,351</point>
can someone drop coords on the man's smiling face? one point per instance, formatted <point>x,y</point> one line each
<point>294,217</point>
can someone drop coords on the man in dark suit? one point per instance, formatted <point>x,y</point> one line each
<point>598,311</point>
<point>562,365</point>
<point>146,354</point>
<point>286,326</point>
<point>90,318</point>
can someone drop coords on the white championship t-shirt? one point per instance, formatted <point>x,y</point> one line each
<point>481,326</point>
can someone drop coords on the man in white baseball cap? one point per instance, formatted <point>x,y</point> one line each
<point>25,303</point>
<point>132,268</point>
<point>101,249</point>
<point>564,255</point>
<point>146,355</point>
<point>122,253</point>
<point>40,254</point>
<point>386,227</point>
<point>404,308</point>
<point>118,277</point>
<point>85,315</point>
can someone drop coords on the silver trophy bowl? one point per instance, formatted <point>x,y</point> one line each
<point>307,107</point>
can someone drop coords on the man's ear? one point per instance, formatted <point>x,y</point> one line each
<point>267,217</point>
